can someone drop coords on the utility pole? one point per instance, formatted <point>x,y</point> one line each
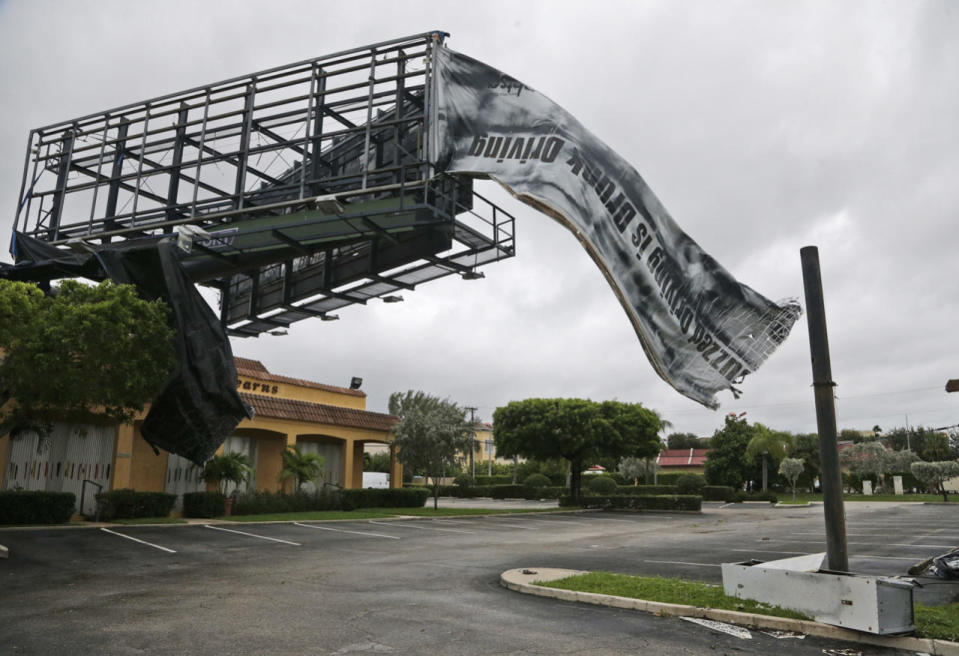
<point>836,548</point>
<point>472,440</point>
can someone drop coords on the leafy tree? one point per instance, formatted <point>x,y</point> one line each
<point>854,436</point>
<point>577,430</point>
<point>935,474</point>
<point>727,463</point>
<point>430,434</point>
<point>682,441</point>
<point>900,461</point>
<point>301,467</point>
<point>376,462</point>
<point>928,444</point>
<point>632,468</point>
<point>867,459</point>
<point>791,468</point>
<point>225,468</point>
<point>805,447</point>
<point>84,351</point>
<point>767,444</point>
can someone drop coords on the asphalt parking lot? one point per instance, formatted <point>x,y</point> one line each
<point>415,585</point>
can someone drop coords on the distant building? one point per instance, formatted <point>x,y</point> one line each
<point>691,460</point>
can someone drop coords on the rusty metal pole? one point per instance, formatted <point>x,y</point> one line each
<point>837,553</point>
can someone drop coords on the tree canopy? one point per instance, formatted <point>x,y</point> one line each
<point>80,351</point>
<point>301,467</point>
<point>430,434</point>
<point>577,430</point>
<point>935,474</point>
<point>683,441</point>
<point>727,463</point>
<point>768,445</point>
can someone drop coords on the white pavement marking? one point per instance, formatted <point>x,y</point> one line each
<point>514,525</point>
<point>880,544</point>
<point>401,524</point>
<point>735,631</point>
<point>252,535</point>
<point>680,562</point>
<point>804,553</point>
<point>149,544</point>
<point>881,535</point>
<point>343,530</point>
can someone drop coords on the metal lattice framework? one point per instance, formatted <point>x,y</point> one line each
<point>310,184</point>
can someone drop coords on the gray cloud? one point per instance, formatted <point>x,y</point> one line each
<point>763,127</point>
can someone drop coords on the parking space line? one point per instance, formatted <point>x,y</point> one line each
<point>149,544</point>
<point>680,562</point>
<point>804,553</point>
<point>797,553</point>
<point>860,543</point>
<point>513,525</point>
<point>879,535</point>
<point>343,530</point>
<point>420,528</point>
<point>252,535</point>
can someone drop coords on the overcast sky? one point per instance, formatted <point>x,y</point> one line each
<point>762,126</point>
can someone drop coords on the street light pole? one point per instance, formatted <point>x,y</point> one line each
<point>472,441</point>
<point>836,549</point>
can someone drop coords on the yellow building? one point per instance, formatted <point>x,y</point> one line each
<point>324,419</point>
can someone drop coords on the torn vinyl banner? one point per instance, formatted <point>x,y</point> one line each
<point>701,329</point>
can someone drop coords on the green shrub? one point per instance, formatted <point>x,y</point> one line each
<point>550,492</point>
<point>717,493</point>
<point>646,490</point>
<point>690,484</point>
<point>669,478</point>
<point>537,480</point>
<point>603,485</point>
<point>494,480</point>
<point>510,492</point>
<point>464,480</point>
<point>130,504</point>
<point>648,502</point>
<point>204,504</point>
<point>269,503</point>
<point>408,497</point>
<point>740,496</point>
<point>36,507</point>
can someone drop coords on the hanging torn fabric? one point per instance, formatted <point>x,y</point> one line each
<point>701,329</point>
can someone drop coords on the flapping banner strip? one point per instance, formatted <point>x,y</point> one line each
<point>701,329</point>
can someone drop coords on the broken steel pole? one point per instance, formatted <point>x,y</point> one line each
<point>837,553</point>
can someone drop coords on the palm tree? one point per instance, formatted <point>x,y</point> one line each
<point>223,469</point>
<point>767,443</point>
<point>302,467</point>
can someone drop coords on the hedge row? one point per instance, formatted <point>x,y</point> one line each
<point>203,504</point>
<point>269,503</point>
<point>130,504</point>
<point>645,502</point>
<point>36,507</point>
<point>407,497</point>
<point>718,493</point>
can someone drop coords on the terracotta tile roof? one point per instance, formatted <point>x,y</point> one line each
<point>682,457</point>
<point>255,369</point>
<point>318,413</point>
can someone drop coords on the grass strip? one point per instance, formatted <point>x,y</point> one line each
<point>668,591</point>
<point>940,622</point>
<point>149,520</point>
<point>377,513</point>
<point>936,622</point>
<point>927,498</point>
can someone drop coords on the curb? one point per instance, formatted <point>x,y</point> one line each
<point>519,580</point>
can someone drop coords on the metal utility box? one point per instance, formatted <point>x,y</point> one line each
<point>872,604</point>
